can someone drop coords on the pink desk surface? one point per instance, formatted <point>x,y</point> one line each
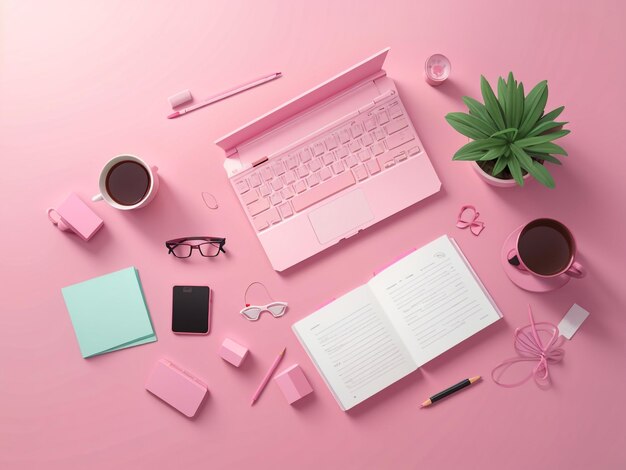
<point>83,81</point>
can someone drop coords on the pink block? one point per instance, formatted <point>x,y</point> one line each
<point>293,383</point>
<point>233,352</point>
<point>74,215</point>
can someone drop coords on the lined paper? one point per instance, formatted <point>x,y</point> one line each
<point>433,299</point>
<point>355,346</point>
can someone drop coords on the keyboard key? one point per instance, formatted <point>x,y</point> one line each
<point>370,123</point>
<point>395,110</point>
<point>331,142</point>
<point>377,149</point>
<point>399,138</point>
<point>323,191</point>
<point>287,193</point>
<point>373,167</point>
<point>414,151</point>
<point>354,146</point>
<point>379,134</point>
<point>325,173</point>
<point>360,173</point>
<point>302,171</point>
<point>315,164</point>
<point>356,130</point>
<point>338,167</point>
<point>258,206</point>
<point>266,173</point>
<point>364,155</point>
<point>278,168</point>
<point>260,223</point>
<point>344,136</point>
<point>395,126</point>
<point>289,177</point>
<point>275,199</point>
<point>285,210</point>
<point>264,190</point>
<point>328,158</point>
<point>352,161</point>
<point>249,197</point>
<point>299,186</point>
<point>242,186</point>
<point>292,161</point>
<point>383,117</point>
<point>318,148</point>
<point>342,152</point>
<point>386,160</point>
<point>400,157</point>
<point>313,180</point>
<point>306,155</point>
<point>276,184</point>
<point>272,216</point>
<point>367,140</point>
<point>255,180</point>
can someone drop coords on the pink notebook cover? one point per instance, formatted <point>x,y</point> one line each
<point>176,387</point>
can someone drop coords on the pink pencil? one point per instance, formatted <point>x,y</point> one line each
<point>227,93</point>
<point>267,377</point>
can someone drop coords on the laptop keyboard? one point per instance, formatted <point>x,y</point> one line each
<point>347,155</point>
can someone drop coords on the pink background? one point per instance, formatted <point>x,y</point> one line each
<point>81,82</point>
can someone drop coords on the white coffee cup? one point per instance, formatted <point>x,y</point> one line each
<point>150,193</point>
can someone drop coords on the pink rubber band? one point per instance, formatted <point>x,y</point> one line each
<point>468,217</point>
<point>530,348</point>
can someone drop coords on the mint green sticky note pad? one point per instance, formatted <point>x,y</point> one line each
<point>109,313</point>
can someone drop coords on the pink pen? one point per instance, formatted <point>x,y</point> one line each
<point>227,93</point>
<point>268,376</point>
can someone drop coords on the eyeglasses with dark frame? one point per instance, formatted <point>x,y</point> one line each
<point>208,247</point>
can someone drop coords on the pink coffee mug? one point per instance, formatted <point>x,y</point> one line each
<point>149,195</point>
<point>546,248</point>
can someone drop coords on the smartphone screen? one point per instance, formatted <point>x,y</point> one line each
<point>190,309</point>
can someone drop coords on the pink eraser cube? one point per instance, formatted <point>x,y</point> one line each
<point>180,98</point>
<point>233,352</point>
<point>293,383</point>
<point>76,216</point>
<point>176,387</point>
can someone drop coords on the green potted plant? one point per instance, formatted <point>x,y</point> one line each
<point>511,137</point>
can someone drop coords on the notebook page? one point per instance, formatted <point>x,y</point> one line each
<point>354,347</point>
<point>434,299</point>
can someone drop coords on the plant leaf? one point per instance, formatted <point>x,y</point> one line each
<point>522,157</point>
<point>493,153</point>
<point>541,174</point>
<point>478,109</point>
<point>552,115</point>
<point>516,171</point>
<point>499,166</point>
<point>479,145</point>
<point>535,104</point>
<point>520,106</point>
<point>468,125</point>
<point>547,157</point>
<point>469,156</point>
<point>502,93</point>
<point>547,147</point>
<point>491,103</point>
<point>540,139</point>
<point>544,127</point>
<point>505,131</point>
<point>511,102</point>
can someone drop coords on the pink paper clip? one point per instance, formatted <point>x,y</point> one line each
<point>468,217</point>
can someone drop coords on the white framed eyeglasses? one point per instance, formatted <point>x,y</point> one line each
<point>253,312</point>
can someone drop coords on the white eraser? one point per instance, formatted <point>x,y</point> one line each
<point>572,321</point>
<point>180,98</point>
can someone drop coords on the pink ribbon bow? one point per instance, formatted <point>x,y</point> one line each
<point>468,217</point>
<point>530,348</point>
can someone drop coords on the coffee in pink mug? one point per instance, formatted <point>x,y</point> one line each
<point>546,248</point>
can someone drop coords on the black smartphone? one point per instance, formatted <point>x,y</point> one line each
<point>191,309</point>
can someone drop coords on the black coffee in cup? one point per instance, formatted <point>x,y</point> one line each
<point>127,182</point>
<point>546,247</point>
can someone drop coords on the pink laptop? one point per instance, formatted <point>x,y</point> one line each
<point>328,164</point>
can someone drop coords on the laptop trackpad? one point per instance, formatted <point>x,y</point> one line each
<point>341,216</point>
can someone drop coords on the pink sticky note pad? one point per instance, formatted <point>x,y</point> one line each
<point>176,387</point>
<point>233,352</point>
<point>293,383</point>
<point>76,216</point>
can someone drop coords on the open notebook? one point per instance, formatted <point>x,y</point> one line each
<point>406,315</point>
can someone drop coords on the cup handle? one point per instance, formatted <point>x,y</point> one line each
<point>154,168</point>
<point>576,270</point>
<point>97,197</point>
<point>513,260</point>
